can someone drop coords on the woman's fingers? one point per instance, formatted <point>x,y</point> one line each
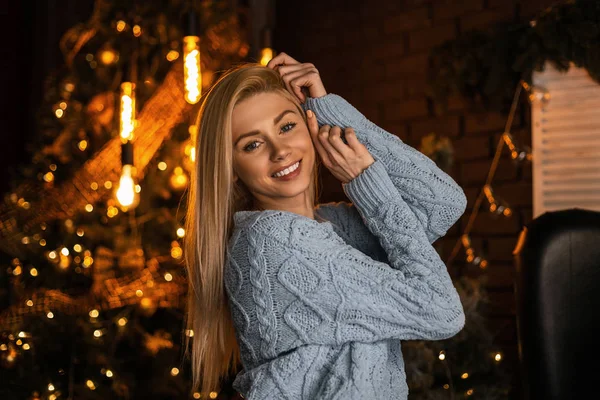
<point>301,78</point>
<point>292,82</point>
<point>335,138</point>
<point>313,127</point>
<point>333,154</point>
<point>352,140</point>
<point>281,59</point>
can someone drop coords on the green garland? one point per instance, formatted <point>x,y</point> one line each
<point>486,66</point>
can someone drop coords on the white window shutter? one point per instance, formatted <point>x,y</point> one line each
<point>566,141</point>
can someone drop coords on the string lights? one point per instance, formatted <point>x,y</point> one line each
<point>192,74</point>
<point>496,205</point>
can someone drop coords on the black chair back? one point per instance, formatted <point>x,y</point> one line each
<point>557,291</point>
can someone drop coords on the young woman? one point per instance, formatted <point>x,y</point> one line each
<point>314,299</point>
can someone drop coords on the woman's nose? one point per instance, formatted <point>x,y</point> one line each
<point>280,152</point>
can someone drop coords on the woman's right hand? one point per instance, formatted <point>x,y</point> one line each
<point>341,152</point>
<point>300,79</point>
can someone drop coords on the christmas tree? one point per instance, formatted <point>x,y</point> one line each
<point>91,229</point>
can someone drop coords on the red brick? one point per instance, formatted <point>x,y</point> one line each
<point>485,19</point>
<point>414,19</point>
<point>353,37</point>
<point>395,128</point>
<point>371,31</point>
<point>410,65</point>
<point>443,126</point>
<point>327,40</point>
<point>475,172</point>
<point>485,122</point>
<point>517,194</point>
<point>390,47</point>
<point>451,9</point>
<point>370,74</point>
<point>384,91</point>
<point>370,11</point>
<point>532,8</point>
<point>471,148</point>
<point>452,104</point>
<point>415,86</point>
<point>372,113</point>
<point>500,3</point>
<point>432,37</point>
<point>406,110</point>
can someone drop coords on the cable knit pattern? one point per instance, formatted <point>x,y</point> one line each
<point>433,196</point>
<point>320,309</point>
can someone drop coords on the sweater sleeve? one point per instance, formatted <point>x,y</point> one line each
<point>311,289</point>
<point>431,194</point>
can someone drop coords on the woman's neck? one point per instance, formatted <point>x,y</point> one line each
<point>305,210</point>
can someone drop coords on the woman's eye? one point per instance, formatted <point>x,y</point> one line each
<point>288,127</point>
<point>250,146</point>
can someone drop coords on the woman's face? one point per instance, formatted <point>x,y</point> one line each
<point>270,136</point>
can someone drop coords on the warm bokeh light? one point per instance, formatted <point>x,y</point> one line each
<point>126,194</point>
<point>191,69</point>
<point>127,121</point>
<point>266,55</point>
<point>48,177</point>
<point>172,55</point>
<point>121,25</point>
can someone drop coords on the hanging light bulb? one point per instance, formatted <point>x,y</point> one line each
<point>516,154</point>
<point>192,74</point>
<point>126,192</point>
<point>266,50</point>
<point>127,121</point>
<point>536,93</point>
<point>472,258</point>
<point>497,206</point>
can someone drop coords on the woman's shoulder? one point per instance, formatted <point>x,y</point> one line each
<point>285,227</point>
<point>270,219</point>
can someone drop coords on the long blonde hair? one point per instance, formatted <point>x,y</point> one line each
<point>212,200</point>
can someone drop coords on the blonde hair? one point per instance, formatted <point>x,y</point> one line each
<point>212,200</point>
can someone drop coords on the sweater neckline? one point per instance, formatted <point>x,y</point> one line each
<point>241,218</point>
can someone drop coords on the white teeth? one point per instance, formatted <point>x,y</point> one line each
<point>287,170</point>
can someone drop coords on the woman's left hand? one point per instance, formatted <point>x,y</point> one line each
<point>344,161</point>
<point>299,78</point>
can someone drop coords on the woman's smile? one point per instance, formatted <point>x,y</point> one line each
<point>288,173</point>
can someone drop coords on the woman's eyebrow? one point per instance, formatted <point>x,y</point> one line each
<point>255,132</point>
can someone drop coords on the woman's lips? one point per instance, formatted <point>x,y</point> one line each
<point>291,175</point>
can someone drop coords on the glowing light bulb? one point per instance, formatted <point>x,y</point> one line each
<point>126,194</point>
<point>127,122</point>
<point>266,55</point>
<point>191,69</point>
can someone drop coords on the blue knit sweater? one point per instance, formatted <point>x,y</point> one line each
<point>320,308</point>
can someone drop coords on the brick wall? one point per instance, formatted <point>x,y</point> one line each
<point>375,54</point>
